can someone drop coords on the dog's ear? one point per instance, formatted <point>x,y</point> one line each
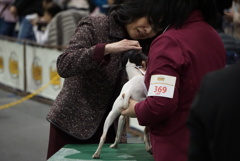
<point>137,58</point>
<point>134,56</point>
<point>127,55</point>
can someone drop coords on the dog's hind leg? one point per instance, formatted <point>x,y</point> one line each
<point>114,113</point>
<point>127,95</point>
<point>146,139</point>
<point>121,123</point>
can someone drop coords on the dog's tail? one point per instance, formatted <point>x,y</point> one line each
<point>127,96</point>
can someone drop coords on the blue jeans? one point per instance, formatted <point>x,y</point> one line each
<point>7,28</point>
<point>25,29</point>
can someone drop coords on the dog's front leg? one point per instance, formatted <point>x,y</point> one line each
<point>121,123</point>
<point>114,113</point>
<point>108,122</point>
<point>96,155</point>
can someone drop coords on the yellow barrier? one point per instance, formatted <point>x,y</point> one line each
<point>30,95</point>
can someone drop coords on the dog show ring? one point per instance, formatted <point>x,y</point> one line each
<point>124,152</point>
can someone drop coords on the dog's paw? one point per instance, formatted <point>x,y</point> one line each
<point>114,146</point>
<point>149,150</point>
<point>96,156</point>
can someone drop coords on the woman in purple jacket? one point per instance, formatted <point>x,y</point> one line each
<point>92,73</point>
<point>187,49</point>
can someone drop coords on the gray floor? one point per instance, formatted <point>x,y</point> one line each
<point>24,130</point>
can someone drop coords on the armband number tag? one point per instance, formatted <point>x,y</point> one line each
<point>162,85</point>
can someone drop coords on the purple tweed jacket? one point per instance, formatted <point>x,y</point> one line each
<point>92,81</point>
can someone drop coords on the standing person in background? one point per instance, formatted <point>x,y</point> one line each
<point>102,5</point>
<point>232,16</point>
<point>45,2</point>
<point>231,44</point>
<point>214,117</point>
<point>187,49</point>
<point>91,67</point>
<point>82,5</point>
<point>77,4</point>
<point>26,10</point>
<point>7,19</point>
<point>41,25</point>
<point>236,19</point>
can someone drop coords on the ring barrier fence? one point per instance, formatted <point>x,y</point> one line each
<point>31,68</point>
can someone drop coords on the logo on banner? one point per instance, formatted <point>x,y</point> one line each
<point>13,65</point>
<point>37,70</point>
<point>1,61</point>
<point>52,74</point>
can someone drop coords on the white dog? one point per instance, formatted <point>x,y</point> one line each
<point>135,89</point>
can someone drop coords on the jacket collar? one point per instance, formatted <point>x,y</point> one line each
<point>196,15</point>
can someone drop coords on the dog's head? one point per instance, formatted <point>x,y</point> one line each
<point>133,56</point>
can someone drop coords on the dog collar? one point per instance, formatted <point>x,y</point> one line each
<point>166,28</point>
<point>139,68</point>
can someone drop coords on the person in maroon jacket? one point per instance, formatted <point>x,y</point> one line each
<point>188,48</point>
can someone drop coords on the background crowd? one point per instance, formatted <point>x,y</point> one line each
<point>39,20</point>
<point>33,20</point>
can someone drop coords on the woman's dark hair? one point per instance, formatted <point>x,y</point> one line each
<point>53,8</point>
<point>175,12</point>
<point>129,10</point>
<point>47,1</point>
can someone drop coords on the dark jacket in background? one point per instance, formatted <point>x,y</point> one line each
<point>26,7</point>
<point>214,118</point>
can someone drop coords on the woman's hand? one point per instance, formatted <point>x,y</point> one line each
<point>130,112</point>
<point>121,46</point>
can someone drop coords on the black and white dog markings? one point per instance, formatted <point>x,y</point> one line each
<point>134,89</point>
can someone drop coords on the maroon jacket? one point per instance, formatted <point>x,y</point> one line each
<point>188,54</point>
